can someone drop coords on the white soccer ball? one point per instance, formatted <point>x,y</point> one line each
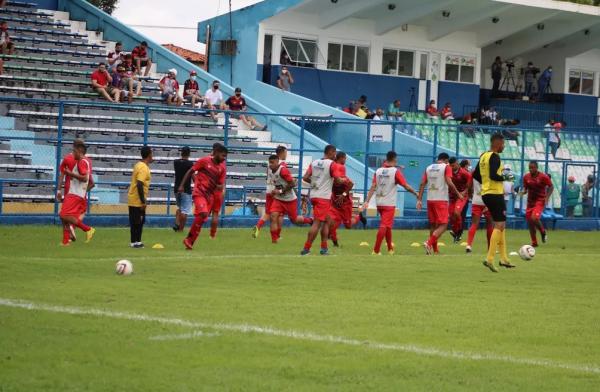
<point>527,252</point>
<point>124,267</point>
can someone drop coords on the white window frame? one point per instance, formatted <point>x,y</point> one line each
<point>398,50</point>
<point>462,58</point>
<point>356,46</point>
<point>299,42</point>
<point>581,72</point>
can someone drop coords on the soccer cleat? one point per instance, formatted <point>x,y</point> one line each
<point>255,232</point>
<point>428,248</point>
<point>138,245</point>
<point>336,243</point>
<point>63,244</point>
<point>363,220</point>
<point>72,235</point>
<point>534,244</point>
<point>324,252</point>
<point>468,249</point>
<point>175,228</point>
<point>89,235</point>
<point>507,264</point>
<point>453,236</point>
<point>544,237</point>
<point>188,244</point>
<point>304,252</point>
<point>375,253</point>
<point>490,266</point>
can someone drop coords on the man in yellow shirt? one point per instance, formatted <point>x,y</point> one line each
<point>489,173</point>
<point>137,197</point>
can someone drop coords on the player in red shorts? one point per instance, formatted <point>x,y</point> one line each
<point>210,177</point>
<point>538,187</point>
<point>478,209</point>
<point>438,179</point>
<point>74,203</point>
<point>218,198</point>
<point>385,181</point>
<point>281,152</point>
<point>462,181</point>
<point>321,175</point>
<point>68,163</point>
<point>341,203</point>
<point>284,198</point>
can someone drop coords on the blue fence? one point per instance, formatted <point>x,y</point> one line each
<point>36,134</point>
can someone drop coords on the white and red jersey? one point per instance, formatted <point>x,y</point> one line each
<point>270,185</point>
<point>477,200</point>
<point>280,179</point>
<point>322,172</point>
<point>435,175</point>
<point>77,187</point>
<point>385,180</point>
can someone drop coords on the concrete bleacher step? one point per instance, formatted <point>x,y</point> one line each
<point>25,20</point>
<point>46,93</point>
<point>76,82</point>
<point>33,31</point>
<point>27,60</point>
<point>60,43</point>
<point>90,55</point>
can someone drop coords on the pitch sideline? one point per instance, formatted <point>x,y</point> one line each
<point>299,335</point>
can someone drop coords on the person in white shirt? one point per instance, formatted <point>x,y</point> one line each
<point>213,99</point>
<point>379,115</point>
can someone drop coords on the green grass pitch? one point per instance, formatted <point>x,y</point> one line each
<point>242,314</point>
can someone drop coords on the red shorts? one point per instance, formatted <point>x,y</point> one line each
<point>437,212</point>
<point>321,209</point>
<point>387,216</point>
<point>479,211</point>
<point>535,211</point>
<point>268,203</point>
<point>73,205</point>
<point>457,206</point>
<point>289,208</point>
<point>202,205</point>
<point>342,214</point>
<point>217,202</point>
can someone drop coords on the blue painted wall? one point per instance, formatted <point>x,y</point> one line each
<point>581,104</point>
<point>459,95</point>
<point>44,4</point>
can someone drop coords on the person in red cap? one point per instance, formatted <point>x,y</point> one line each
<point>191,91</point>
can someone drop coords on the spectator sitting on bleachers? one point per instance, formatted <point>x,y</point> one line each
<point>359,108</point>
<point>6,45</point>
<point>467,121</point>
<point>102,84</point>
<point>116,58</point>
<point>447,112</point>
<point>123,83</point>
<point>394,112</point>
<point>191,91</point>
<point>492,116</point>
<point>432,111</point>
<point>379,115</point>
<point>169,88</point>
<point>131,73</point>
<point>213,99</point>
<point>510,134</point>
<point>141,58</point>
<point>237,103</point>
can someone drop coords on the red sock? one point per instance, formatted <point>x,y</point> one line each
<point>307,245</point>
<point>472,231</point>
<point>355,219</point>
<point>274,235</point>
<point>195,229</point>
<point>307,221</point>
<point>214,224</point>
<point>66,236</point>
<point>260,223</point>
<point>333,232</point>
<point>82,226</point>
<point>278,232</point>
<point>323,244</point>
<point>380,236</point>
<point>388,238</point>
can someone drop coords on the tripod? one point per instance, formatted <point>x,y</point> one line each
<point>509,78</point>
<point>412,106</point>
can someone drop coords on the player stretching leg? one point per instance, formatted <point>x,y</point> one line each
<point>75,203</point>
<point>489,173</point>
<point>438,179</point>
<point>284,198</point>
<point>341,204</point>
<point>462,181</point>
<point>478,209</point>
<point>281,152</point>
<point>321,175</point>
<point>384,184</point>
<point>538,187</point>
<point>210,177</point>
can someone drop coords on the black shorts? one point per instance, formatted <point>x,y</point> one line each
<point>496,206</point>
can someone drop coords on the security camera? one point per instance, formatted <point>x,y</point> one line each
<point>391,6</point>
<point>541,26</point>
<point>495,19</point>
<point>446,14</point>
<point>586,32</point>
<point>334,1</point>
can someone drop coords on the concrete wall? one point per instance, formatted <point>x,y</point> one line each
<point>44,4</point>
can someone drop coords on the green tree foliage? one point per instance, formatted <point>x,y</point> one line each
<point>107,6</point>
<point>588,2</point>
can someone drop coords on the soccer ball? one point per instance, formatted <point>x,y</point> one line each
<point>527,252</point>
<point>124,267</point>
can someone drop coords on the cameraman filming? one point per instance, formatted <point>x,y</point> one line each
<point>530,74</point>
<point>543,82</point>
<point>496,75</point>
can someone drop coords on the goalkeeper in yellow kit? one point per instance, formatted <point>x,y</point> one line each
<point>489,173</point>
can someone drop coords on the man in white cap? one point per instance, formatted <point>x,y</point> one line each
<point>169,88</point>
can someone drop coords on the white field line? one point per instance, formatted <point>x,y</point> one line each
<point>305,336</point>
<point>185,336</point>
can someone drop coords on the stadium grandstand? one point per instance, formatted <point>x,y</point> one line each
<point>347,58</point>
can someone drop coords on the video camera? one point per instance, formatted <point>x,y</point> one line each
<point>510,64</point>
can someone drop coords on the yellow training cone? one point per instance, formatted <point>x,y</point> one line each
<point>158,246</point>
<point>441,244</point>
<point>464,243</point>
<point>364,243</point>
<point>416,245</point>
